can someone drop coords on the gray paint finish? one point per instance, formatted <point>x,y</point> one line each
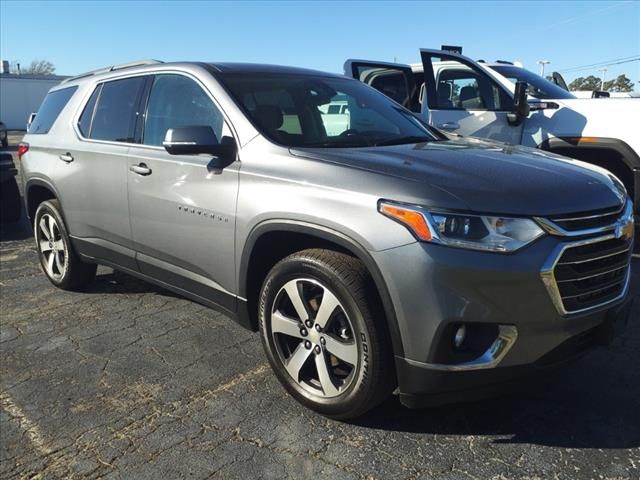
<point>191,225</point>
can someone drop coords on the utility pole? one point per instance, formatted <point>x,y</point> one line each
<point>542,63</point>
<point>604,74</point>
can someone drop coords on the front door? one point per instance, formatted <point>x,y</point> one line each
<point>183,214</point>
<point>461,97</point>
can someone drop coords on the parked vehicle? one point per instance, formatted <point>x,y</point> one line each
<point>459,95</point>
<point>335,116</point>
<point>4,137</point>
<point>10,201</point>
<point>387,257</point>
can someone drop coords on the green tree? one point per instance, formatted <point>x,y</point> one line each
<point>620,84</point>
<point>586,83</point>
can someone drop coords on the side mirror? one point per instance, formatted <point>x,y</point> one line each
<point>30,120</point>
<point>520,104</point>
<point>201,139</point>
<point>559,80</point>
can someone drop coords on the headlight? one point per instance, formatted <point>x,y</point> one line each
<point>476,232</point>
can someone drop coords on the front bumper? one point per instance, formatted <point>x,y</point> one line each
<point>425,387</point>
<point>435,288</point>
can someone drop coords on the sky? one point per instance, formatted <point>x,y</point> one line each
<point>77,36</point>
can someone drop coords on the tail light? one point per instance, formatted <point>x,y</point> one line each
<point>22,149</point>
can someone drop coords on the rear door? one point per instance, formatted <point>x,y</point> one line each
<point>92,176</point>
<point>395,80</point>
<point>460,97</point>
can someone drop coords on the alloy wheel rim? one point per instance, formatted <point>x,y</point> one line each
<point>314,337</point>
<point>55,256</point>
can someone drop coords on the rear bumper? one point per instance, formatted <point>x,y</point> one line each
<point>422,386</point>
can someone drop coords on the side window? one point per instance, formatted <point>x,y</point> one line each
<point>84,124</point>
<point>178,101</point>
<point>115,114</point>
<point>51,107</point>
<point>461,87</point>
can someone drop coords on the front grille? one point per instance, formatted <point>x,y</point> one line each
<point>588,220</point>
<point>589,274</point>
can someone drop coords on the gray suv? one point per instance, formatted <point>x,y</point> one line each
<point>385,256</point>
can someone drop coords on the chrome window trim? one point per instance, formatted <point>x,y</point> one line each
<point>548,276</point>
<point>148,73</point>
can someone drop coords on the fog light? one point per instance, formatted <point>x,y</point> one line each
<point>458,339</point>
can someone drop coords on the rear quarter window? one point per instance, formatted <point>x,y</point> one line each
<point>50,109</point>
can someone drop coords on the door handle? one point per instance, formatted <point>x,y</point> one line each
<point>140,169</point>
<point>66,157</point>
<point>449,126</point>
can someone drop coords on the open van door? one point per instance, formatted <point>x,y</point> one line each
<point>461,97</point>
<point>395,80</point>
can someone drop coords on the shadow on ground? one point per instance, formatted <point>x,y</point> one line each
<point>20,230</point>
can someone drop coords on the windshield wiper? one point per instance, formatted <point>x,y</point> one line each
<point>404,140</point>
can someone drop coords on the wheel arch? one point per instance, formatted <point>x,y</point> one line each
<point>303,235</point>
<point>624,161</point>
<point>37,191</point>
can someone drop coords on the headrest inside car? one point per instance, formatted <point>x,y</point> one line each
<point>269,116</point>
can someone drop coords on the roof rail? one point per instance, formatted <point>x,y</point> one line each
<point>112,68</point>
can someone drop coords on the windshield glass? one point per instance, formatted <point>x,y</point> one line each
<point>538,87</point>
<point>315,111</point>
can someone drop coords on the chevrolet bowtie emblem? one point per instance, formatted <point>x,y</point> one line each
<point>624,230</point>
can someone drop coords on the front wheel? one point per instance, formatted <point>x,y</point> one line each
<point>324,335</point>
<point>59,261</point>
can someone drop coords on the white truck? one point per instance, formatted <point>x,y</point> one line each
<point>460,95</point>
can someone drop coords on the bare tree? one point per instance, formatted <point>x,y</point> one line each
<point>37,67</point>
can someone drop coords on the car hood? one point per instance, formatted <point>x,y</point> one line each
<point>488,177</point>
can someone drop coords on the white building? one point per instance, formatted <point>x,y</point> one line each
<point>20,95</point>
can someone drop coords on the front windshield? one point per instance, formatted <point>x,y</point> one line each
<point>316,111</point>
<point>538,87</point>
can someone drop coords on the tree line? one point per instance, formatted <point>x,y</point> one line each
<point>620,84</point>
<point>36,67</point>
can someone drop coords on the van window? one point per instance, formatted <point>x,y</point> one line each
<point>177,101</point>
<point>84,124</point>
<point>115,115</point>
<point>459,87</point>
<point>50,109</point>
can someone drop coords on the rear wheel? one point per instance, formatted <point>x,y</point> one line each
<point>323,334</point>
<point>62,266</point>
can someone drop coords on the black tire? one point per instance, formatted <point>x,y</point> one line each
<point>373,378</point>
<point>10,201</point>
<point>76,274</point>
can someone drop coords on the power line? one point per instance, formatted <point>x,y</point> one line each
<point>598,63</point>
<point>618,61</point>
